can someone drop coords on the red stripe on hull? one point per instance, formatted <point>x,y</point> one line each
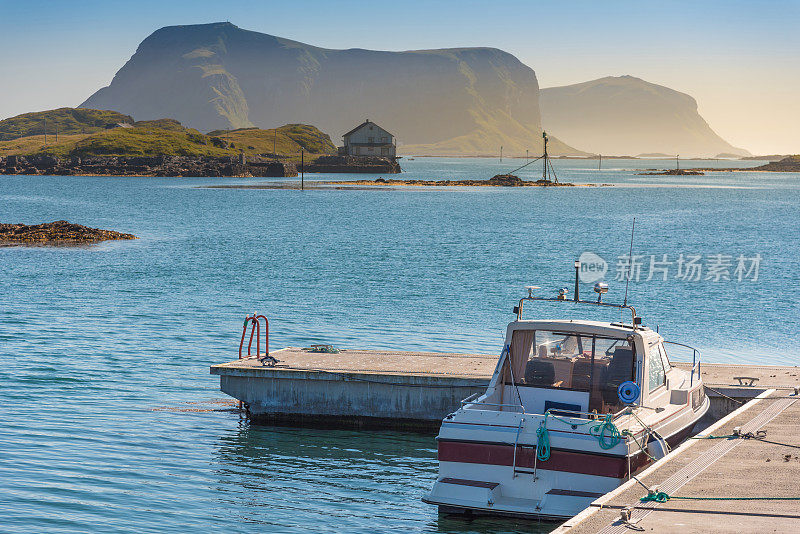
<point>584,463</point>
<point>499,454</point>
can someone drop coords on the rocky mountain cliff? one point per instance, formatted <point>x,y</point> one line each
<point>213,76</point>
<point>627,115</point>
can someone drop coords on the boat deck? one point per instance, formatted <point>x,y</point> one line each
<point>729,472</point>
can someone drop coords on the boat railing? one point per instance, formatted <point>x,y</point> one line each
<point>518,408</point>
<point>695,360</point>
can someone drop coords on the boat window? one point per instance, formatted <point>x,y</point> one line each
<point>664,359</point>
<point>614,363</point>
<point>655,368</point>
<point>595,364</point>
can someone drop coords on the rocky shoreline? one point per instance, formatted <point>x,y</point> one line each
<point>203,166</point>
<point>195,166</point>
<point>354,164</point>
<point>56,233</point>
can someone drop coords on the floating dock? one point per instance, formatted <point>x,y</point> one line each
<point>356,388</point>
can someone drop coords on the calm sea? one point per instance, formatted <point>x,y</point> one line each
<point>111,421</point>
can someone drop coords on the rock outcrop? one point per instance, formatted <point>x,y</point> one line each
<point>55,233</point>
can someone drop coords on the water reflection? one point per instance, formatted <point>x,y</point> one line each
<point>338,479</point>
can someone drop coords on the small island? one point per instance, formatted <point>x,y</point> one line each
<point>56,233</point>
<point>672,172</point>
<point>499,180</point>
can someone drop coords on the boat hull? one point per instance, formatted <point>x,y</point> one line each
<point>499,478</point>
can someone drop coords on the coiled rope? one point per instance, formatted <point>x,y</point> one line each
<point>604,431</point>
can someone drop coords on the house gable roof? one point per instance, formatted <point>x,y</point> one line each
<point>366,122</point>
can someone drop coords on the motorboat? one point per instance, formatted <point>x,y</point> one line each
<point>574,409</point>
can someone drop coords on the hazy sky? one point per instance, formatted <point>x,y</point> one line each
<point>740,60</point>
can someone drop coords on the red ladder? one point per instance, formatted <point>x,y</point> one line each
<point>255,328</point>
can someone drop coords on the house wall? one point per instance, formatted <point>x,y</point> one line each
<point>371,130</point>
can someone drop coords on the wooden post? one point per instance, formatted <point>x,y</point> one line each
<point>302,168</point>
<point>501,154</point>
<point>45,131</point>
<point>600,162</point>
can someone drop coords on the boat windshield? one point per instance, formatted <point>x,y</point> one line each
<point>570,361</point>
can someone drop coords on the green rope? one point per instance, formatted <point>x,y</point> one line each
<point>712,436</point>
<point>605,431</point>
<point>662,497</point>
<point>607,434</point>
<point>543,441</point>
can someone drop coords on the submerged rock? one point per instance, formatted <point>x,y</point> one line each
<point>55,233</point>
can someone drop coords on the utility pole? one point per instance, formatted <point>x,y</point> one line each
<point>302,168</point>
<point>56,133</point>
<point>501,153</point>
<point>275,142</point>
<point>677,162</point>
<point>526,154</point>
<point>45,131</point>
<point>544,167</point>
<point>600,162</point>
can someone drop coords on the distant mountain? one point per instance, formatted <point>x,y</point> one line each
<point>215,76</point>
<point>627,115</point>
<point>65,121</point>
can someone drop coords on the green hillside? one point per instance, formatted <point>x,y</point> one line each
<point>290,139</point>
<point>169,137</point>
<point>66,121</point>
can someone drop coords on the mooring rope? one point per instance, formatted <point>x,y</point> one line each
<point>662,497</point>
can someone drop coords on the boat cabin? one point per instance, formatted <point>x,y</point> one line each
<point>577,367</point>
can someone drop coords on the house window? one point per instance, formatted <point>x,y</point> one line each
<point>371,149</point>
<point>384,139</point>
<point>370,139</point>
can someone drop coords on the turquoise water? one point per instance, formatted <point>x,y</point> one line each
<point>111,421</point>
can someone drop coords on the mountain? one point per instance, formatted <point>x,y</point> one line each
<point>215,76</point>
<point>627,115</point>
<point>65,121</point>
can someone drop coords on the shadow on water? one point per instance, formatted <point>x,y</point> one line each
<point>339,479</point>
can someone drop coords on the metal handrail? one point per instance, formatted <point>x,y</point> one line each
<point>590,415</point>
<point>696,356</point>
<point>465,401</point>
<point>606,304</point>
<point>255,329</point>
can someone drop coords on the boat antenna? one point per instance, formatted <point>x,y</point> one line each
<point>630,264</point>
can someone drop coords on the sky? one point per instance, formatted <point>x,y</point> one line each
<point>739,60</point>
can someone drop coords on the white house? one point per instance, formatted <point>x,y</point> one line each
<point>368,139</point>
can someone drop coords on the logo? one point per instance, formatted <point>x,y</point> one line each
<point>593,267</point>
